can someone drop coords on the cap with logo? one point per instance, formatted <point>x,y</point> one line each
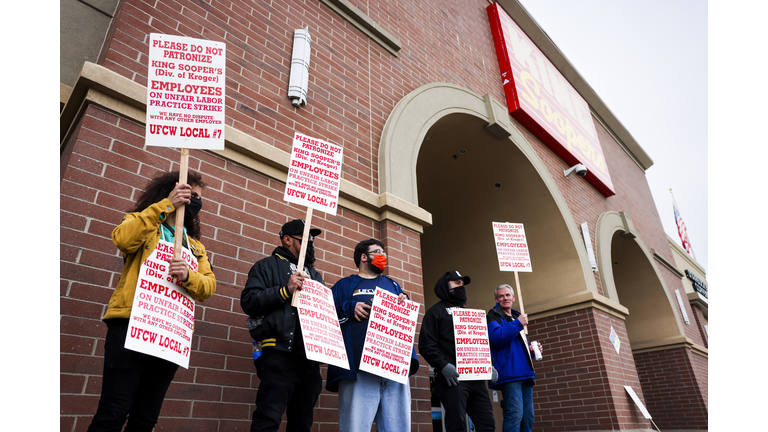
<point>454,275</point>
<point>296,226</point>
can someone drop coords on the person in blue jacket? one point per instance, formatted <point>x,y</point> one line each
<point>511,355</point>
<point>364,397</point>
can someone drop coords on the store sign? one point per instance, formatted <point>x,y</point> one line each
<point>698,285</point>
<point>545,102</point>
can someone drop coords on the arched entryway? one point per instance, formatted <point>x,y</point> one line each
<point>455,154</point>
<point>628,276</point>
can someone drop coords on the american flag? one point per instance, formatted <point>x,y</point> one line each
<point>681,230</point>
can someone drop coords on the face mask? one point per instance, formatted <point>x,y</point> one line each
<point>191,209</point>
<point>380,262</point>
<point>460,294</point>
<point>309,256</point>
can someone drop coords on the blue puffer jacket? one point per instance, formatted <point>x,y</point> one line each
<point>509,352</point>
<point>346,294</point>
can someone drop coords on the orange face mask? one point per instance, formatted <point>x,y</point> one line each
<point>380,262</point>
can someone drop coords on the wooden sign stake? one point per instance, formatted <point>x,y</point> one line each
<point>520,299</point>
<point>303,252</point>
<point>184,167</point>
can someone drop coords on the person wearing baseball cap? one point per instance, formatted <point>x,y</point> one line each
<point>437,345</point>
<point>289,381</point>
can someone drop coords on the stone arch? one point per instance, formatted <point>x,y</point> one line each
<point>628,276</point>
<point>439,105</point>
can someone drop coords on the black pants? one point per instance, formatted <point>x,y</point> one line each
<point>289,384</point>
<point>133,386</point>
<point>468,398</point>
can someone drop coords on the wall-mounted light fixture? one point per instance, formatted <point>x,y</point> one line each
<point>299,80</point>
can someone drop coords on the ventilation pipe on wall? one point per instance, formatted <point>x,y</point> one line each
<point>299,80</point>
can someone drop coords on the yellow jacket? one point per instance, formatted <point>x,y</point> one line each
<point>137,236</point>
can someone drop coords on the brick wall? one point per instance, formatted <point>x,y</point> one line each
<point>580,380</point>
<point>354,84</point>
<point>675,383</point>
<point>242,213</point>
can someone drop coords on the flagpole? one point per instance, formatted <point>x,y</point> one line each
<point>687,234</point>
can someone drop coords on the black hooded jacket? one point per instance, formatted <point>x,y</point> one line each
<point>436,339</point>
<point>267,301</point>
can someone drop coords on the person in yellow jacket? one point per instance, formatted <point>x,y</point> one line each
<point>134,384</point>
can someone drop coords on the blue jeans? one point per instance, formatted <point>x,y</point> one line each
<point>518,406</point>
<point>370,398</point>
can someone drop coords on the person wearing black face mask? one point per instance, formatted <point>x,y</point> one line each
<point>437,345</point>
<point>134,384</point>
<point>290,383</point>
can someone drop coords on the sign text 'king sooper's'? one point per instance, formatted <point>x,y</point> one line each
<point>545,102</point>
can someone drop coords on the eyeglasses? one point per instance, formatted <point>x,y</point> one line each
<point>311,238</point>
<point>376,252</point>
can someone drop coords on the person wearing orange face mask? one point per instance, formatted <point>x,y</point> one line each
<point>365,397</point>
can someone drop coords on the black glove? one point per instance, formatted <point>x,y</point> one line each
<point>450,374</point>
<point>494,375</point>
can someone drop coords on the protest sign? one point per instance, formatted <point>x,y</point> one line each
<point>323,341</point>
<point>185,92</point>
<point>638,402</point>
<point>163,314</point>
<point>512,252</point>
<point>389,338</point>
<point>473,353</point>
<point>511,247</point>
<point>314,174</point>
<point>185,99</point>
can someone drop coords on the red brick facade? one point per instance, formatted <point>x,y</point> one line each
<point>354,85</point>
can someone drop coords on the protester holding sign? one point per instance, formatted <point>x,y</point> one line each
<point>511,355</point>
<point>289,381</point>
<point>134,384</point>
<point>437,344</point>
<point>365,397</point>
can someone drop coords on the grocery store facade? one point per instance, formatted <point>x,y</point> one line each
<point>414,93</point>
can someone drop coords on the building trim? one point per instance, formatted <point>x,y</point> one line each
<point>365,24</point>
<point>671,267</point>
<point>696,266</point>
<point>669,343</point>
<point>582,300</point>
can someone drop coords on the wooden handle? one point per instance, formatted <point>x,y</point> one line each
<point>179,232</point>
<point>520,299</point>
<point>303,252</point>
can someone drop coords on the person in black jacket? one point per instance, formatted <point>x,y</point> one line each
<point>289,381</point>
<point>437,345</point>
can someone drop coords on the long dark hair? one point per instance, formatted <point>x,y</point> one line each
<point>160,187</point>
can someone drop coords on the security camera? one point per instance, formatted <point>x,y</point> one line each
<point>580,170</point>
